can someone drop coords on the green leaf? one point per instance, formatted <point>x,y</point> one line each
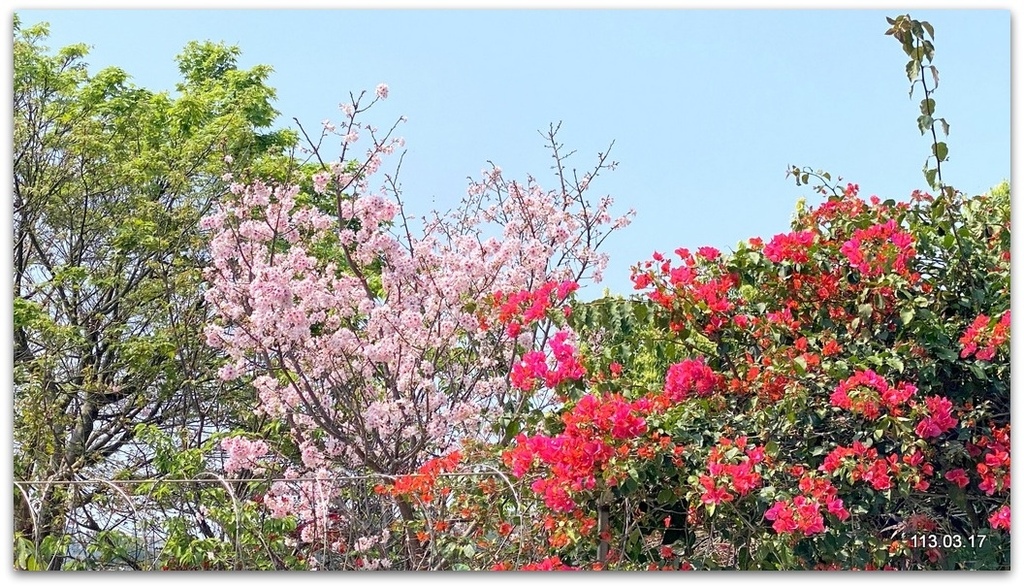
<point>666,496</point>
<point>913,69</point>
<point>940,151</point>
<point>928,49</point>
<point>895,363</point>
<point>906,316</point>
<point>629,485</point>
<point>924,123</point>
<point>640,312</point>
<point>801,365</point>
<point>979,371</point>
<point>928,27</point>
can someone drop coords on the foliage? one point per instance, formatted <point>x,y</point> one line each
<point>109,183</point>
<point>916,38</point>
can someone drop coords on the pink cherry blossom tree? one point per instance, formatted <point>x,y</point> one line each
<point>366,331</point>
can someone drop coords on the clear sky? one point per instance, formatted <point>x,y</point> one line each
<point>706,108</point>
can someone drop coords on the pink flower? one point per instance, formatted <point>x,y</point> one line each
<point>790,246</point>
<point>242,453</point>
<point>939,419</point>
<point>565,288</point>
<point>713,494</point>
<point>689,377</point>
<point>320,180</point>
<point>836,507</point>
<point>958,477</point>
<point>1000,519</point>
<point>382,91</point>
<point>708,253</point>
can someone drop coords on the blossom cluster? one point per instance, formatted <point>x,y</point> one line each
<point>862,463</point>
<point>938,417</point>
<point>533,369</point>
<point>690,377</point>
<point>698,288</point>
<point>880,249</point>
<point>553,563</point>
<point>792,247</point>
<point>422,484</point>
<point>597,430</point>
<point>518,309</point>
<point>866,393</point>
<point>803,513</point>
<point>732,471</point>
<point>994,465</point>
<point>1000,519</point>
<point>243,454</point>
<point>982,338</point>
<point>574,461</point>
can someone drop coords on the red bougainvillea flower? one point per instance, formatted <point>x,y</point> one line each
<point>958,476</point>
<point>939,419</point>
<point>1000,519</point>
<point>879,249</point>
<point>792,247</point>
<point>690,377</point>
<point>549,564</point>
<point>867,393</point>
<point>982,340</point>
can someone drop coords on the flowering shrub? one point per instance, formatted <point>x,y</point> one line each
<point>823,389</point>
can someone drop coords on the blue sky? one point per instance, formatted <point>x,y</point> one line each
<point>707,108</point>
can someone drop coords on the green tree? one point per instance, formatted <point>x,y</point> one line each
<point>110,183</point>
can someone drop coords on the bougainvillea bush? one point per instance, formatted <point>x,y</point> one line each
<point>832,397</point>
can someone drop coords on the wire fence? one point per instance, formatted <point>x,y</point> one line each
<point>210,521</point>
<point>473,519</point>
